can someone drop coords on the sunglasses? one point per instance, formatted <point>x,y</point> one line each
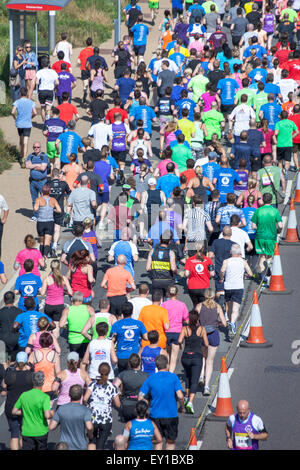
<point>36,146</point>
<point>28,47</point>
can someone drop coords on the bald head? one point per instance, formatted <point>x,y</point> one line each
<point>243,409</point>
<point>224,162</point>
<point>267,160</point>
<point>121,260</point>
<point>227,232</point>
<point>120,442</point>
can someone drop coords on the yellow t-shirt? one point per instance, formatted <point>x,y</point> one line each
<point>248,7</point>
<point>183,50</point>
<point>187,127</point>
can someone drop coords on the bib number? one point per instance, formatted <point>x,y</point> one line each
<point>266,180</point>
<point>242,441</point>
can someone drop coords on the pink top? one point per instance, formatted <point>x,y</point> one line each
<point>253,193</point>
<point>55,294</point>
<point>29,253</point>
<point>196,45</point>
<point>36,343</point>
<point>73,378</point>
<point>162,166</point>
<point>237,78</point>
<point>169,137</point>
<point>208,100</point>
<point>178,313</point>
<point>268,138</point>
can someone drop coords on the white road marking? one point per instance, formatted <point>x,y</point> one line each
<point>288,191</point>
<point>2,408</point>
<point>280,235</point>
<point>199,444</point>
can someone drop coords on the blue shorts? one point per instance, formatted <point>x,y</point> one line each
<point>14,423</point>
<point>103,198</point>
<point>219,286</point>
<point>234,295</point>
<point>172,338</point>
<point>213,338</point>
<point>139,50</point>
<point>87,299</point>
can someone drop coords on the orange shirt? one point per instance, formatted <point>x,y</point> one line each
<point>166,38</point>
<point>84,55</point>
<point>288,106</point>
<point>117,279</point>
<point>66,111</point>
<point>154,317</point>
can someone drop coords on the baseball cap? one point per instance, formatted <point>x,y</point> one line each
<point>151,181</point>
<point>73,356</point>
<point>212,155</point>
<point>126,186</point>
<point>21,357</point>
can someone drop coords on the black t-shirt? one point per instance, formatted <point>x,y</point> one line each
<point>90,63</point>
<point>95,181</point>
<point>192,64</point>
<point>221,249</point>
<point>7,318</point>
<point>132,381</point>
<point>17,382</point>
<point>91,154</point>
<point>214,76</point>
<point>123,58</point>
<point>254,18</point>
<point>58,190</point>
<point>98,109</point>
<point>164,106</point>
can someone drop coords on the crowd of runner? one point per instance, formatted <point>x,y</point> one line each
<point>222,91</point>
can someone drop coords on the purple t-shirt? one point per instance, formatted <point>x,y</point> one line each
<point>65,80</point>
<point>137,164</point>
<point>55,127</point>
<point>103,169</point>
<point>178,313</point>
<point>244,175</point>
<point>173,219</point>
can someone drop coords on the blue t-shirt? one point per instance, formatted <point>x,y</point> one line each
<point>151,67</point>
<point>175,95</point>
<point>112,161</point>
<point>178,58</point>
<point>225,180</point>
<point>271,112</point>
<point>2,271</point>
<point>55,127</point>
<point>146,114</point>
<point>24,108</point>
<point>228,87</point>
<point>38,159</point>
<point>70,142</point>
<point>248,213</point>
<point>241,150</point>
<point>123,247</point>
<point>140,32</point>
<point>129,332</point>
<point>126,86</point>
<point>226,212</point>
<point>103,169</point>
<point>258,74</point>
<point>28,325</point>
<point>158,229</point>
<point>233,61</point>
<point>272,88</point>
<point>170,45</point>
<point>163,387</point>
<point>28,285</point>
<point>210,170</point>
<point>177,4</point>
<point>260,51</point>
<point>167,183</point>
<point>186,103</point>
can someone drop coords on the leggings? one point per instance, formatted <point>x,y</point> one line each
<point>101,433</point>
<point>192,364</point>
<point>197,296</point>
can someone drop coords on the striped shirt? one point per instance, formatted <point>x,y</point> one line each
<point>196,219</point>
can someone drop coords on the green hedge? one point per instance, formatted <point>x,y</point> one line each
<point>8,154</point>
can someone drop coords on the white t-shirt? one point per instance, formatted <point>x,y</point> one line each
<point>257,422</point>
<point>234,276</point>
<point>65,47</point>
<point>172,66</point>
<point>99,353</point>
<point>241,115</point>
<point>138,303</point>
<point>240,237</point>
<point>286,86</point>
<point>3,205</point>
<point>100,133</point>
<point>201,161</point>
<point>47,79</point>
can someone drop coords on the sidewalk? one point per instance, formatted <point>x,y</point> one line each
<point>14,185</point>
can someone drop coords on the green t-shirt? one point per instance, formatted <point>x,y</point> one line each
<point>285,136</point>
<point>100,319</point>
<point>258,100</point>
<point>292,14</point>
<point>265,219</point>
<point>212,120</point>
<point>198,85</point>
<point>33,404</point>
<point>207,5</point>
<point>264,182</point>
<point>245,91</point>
<point>77,317</point>
<point>180,154</point>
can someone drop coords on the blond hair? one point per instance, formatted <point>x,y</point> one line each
<point>209,295</point>
<point>57,275</point>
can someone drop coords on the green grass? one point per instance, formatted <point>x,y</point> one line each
<point>8,154</point>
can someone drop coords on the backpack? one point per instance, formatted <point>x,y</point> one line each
<point>14,78</point>
<point>132,16</point>
<point>196,12</point>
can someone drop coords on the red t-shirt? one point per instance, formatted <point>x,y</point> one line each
<point>293,66</point>
<point>57,66</point>
<point>199,272</point>
<point>190,173</point>
<point>110,115</point>
<point>66,111</point>
<point>282,55</point>
<point>296,119</point>
<point>84,55</point>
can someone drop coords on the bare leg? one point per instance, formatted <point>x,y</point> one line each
<point>209,363</point>
<point>235,312</point>
<point>173,357</point>
<point>170,445</point>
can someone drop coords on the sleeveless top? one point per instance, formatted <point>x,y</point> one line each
<point>166,39</point>
<point>36,343</point>
<point>81,283</point>
<point>73,378</point>
<point>240,430</point>
<point>269,23</point>
<point>234,277</point>
<point>197,140</point>
<point>153,198</point>
<point>148,357</point>
<point>140,145</point>
<point>208,317</point>
<point>141,435</point>
<point>97,83</point>
<point>45,213</point>
<point>99,353</point>
<point>119,137</point>
<point>160,264</point>
<point>55,294</point>
<point>77,317</point>
<point>248,193</point>
<point>101,317</point>
<point>48,368</point>
<point>201,190</point>
<point>193,344</point>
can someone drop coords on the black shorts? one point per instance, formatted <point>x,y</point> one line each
<point>172,338</point>
<point>227,108</point>
<point>79,348</point>
<point>139,50</point>
<point>101,434</point>
<point>85,74</point>
<point>102,198</point>
<point>116,304</point>
<point>168,427</point>
<point>234,295</point>
<point>14,426</point>
<point>236,40</point>
<point>35,443</point>
<point>54,311</point>
<point>45,228</point>
<point>119,156</point>
<point>284,153</point>
<point>46,97</point>
<point>255,163</point>
<point>176,11</point>
<point>59,219</point>
<point>24,132</point>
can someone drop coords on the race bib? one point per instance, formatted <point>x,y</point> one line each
<point>242,441</point>
<point>266,180</point>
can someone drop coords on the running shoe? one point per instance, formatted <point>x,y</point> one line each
<point>186,400</point>
<point>201,380</point>
<point>189,408</point>
<point>233,328</point>
<point>33,219</point>
<point>206,391</point>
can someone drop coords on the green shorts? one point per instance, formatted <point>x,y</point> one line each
<point>153,5</point>
<point>264,247</point>
<point>51,150</point>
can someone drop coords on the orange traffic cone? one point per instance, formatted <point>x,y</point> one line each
<point>291,236</point>
<point>277,285</point>
<point>193,440</point>
<point>297,194</point>
<point>256,337</point>
<point>224,406</point>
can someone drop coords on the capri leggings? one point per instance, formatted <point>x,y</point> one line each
<point>192,364</point>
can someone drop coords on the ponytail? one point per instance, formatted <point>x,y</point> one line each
<point>57,276</point>
<point>72,365</point>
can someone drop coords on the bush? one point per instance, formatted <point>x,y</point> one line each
<point>8,154</point>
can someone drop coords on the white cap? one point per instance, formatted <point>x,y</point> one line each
<point>151,182</point>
